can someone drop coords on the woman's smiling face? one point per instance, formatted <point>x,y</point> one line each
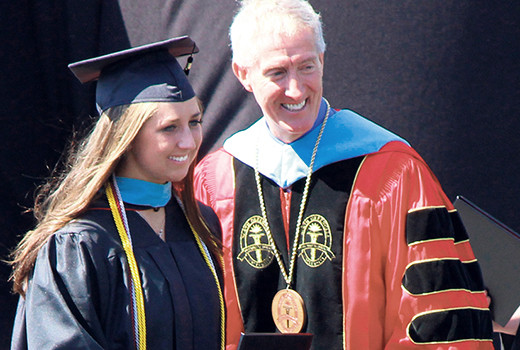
<point>166,145</point>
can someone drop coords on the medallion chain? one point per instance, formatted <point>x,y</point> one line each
<point>289,276</point>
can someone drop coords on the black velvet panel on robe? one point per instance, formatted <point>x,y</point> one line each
<point>318,270</point>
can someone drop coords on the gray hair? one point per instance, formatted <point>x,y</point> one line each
<point>270,17</point>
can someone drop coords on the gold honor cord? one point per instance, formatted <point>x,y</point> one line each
<point>136,291</point>
<point>207,258</point>
<point>205,253</point>
<point>117,209</point>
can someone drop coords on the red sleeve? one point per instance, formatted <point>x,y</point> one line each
<point>380,308</point>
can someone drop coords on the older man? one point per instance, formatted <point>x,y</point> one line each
<point>332,224</point>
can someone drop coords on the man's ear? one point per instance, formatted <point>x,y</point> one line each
<point>322,58</point>
<point>242,75</point>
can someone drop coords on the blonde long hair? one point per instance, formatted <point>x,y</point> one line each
<point>69,192</point>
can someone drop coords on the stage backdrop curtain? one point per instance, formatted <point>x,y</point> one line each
<point>443,75</point>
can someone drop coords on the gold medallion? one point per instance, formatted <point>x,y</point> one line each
<point>288,311</point>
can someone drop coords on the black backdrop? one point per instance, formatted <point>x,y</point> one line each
<point>442,74</point>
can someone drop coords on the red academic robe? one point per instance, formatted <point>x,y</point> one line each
<point>400,231</point>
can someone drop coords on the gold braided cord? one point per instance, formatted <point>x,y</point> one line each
<point>220,295</point>
<point>289,276</point>
<point>140,332</point>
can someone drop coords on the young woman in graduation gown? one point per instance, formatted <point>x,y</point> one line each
<point>123,257</point>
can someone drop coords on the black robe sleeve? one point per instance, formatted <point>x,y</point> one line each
<point>62,305</point>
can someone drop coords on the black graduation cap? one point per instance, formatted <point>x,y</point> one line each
<point>147,73</point>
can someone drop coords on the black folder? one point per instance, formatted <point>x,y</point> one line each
<point>497,249</point>
<point>275,341</point>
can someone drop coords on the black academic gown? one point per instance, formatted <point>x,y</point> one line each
<point>78,295</point>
